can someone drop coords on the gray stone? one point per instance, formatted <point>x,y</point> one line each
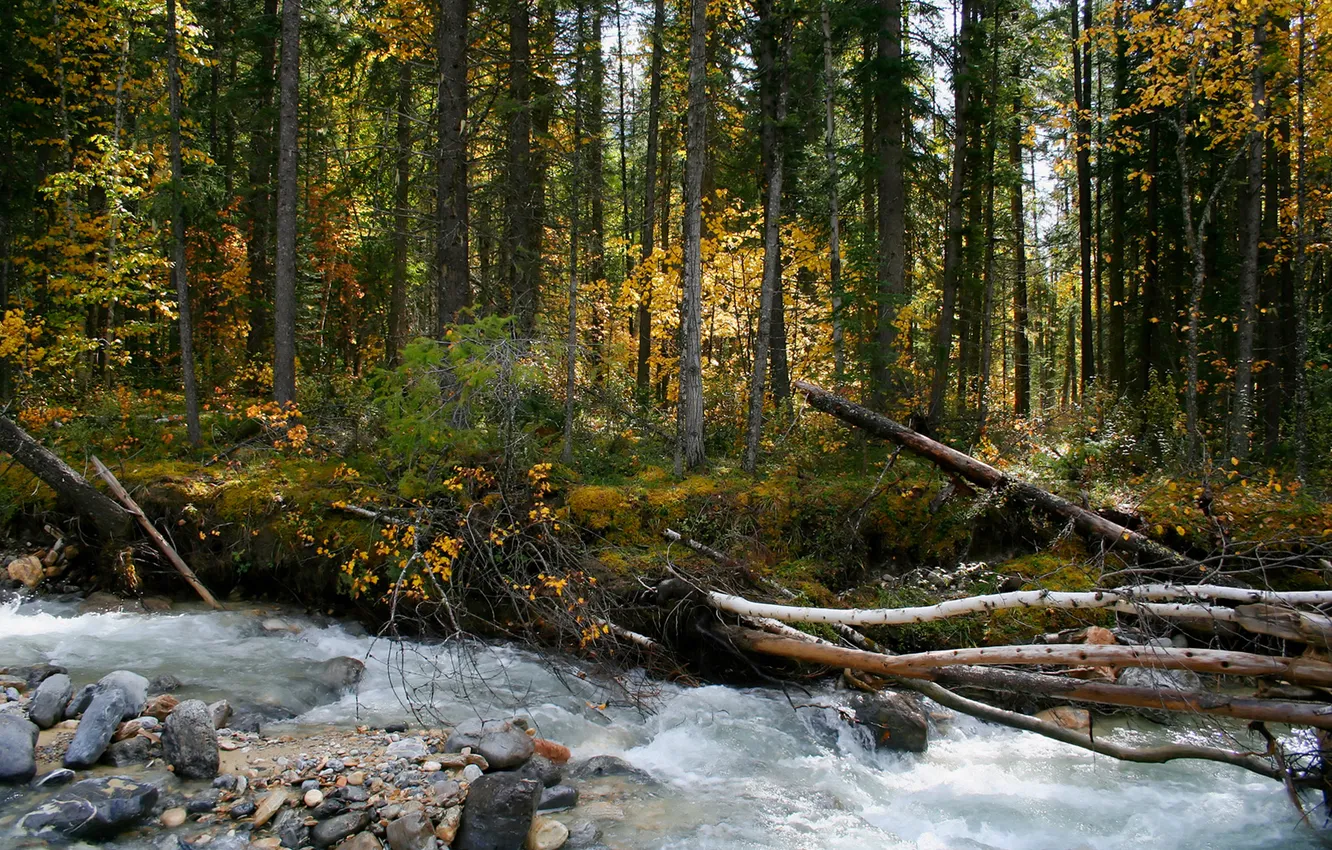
<point>341,673</point>
<point>221,713</point>
<point>79,703</point>
<point>92,809</point>
<point>189,741</point>
<point>54,779</point>
<point>471,773</point>
<point>558,797</point>
<point>49,700</point>
<point>290,829</point>
<point>583,833</point>
<point>353,794</point>
<point>132,685</point>
<point>328,808</point>
<point>1150,677</point>
<point>895,721</point>
<point>447,792</point>
<point>204,801</point>
<point>96,728</point>
<point>599,767</point>
<point>330,832</point>
<point>408,748</point>
<point>243,809</point>
<point>18,749</point>
<point>506,748</point>
<point>498,813</point>
<point>411,832</point>
<point>543,770</point>
<point>164,684</point>
<point>134,750</point>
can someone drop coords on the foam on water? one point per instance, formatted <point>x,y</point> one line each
<point>739,768</point>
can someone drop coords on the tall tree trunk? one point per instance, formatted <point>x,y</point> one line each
<point>178,268</point>
<point>1021,345</point>
<point>594,178</point>
<point>259,193</point>
<point>575,178</point>
<point>1242,412</point>
<point>643,373</point>
<point>1115,356</point>
<point>987,298</point>
<point>952,268</point>
<point>1301,268</point>
<point>834,214</point>
<point>691,454</point>
<point>773,38</point>
<point>890,123</point>
<point>520,195</point>
<point>397,316</point>
<point>453,285</point>
<point>1151,264</point>
<point>1082,140</point>
<point>284,306</point>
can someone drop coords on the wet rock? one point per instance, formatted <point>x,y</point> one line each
<point>1148,677</point>
<point>136,750</point>
<point>543,770</point>
<point>558,797</point>
<point>96,727</point>
<point>361,841</point>
<point>92,809</point>
<point>353,794</point>
<point>411,832</point>
<point>243,809</point>
<point>498,813</point>
<point>79,703</point>
<point>156,604</point>
<point>896,721</point>
<point>270,806</point>
<point>204,801</point>
<point>189,741</point>
<point>341,673</point>
<point>408,748</point>
<point>546,834</point>
<point>33,674</point>
<point>290,829</point>
<point>221,712</point>
<point>1067,717</point>
<point>54,779</point>
<point>108,603</point>
<point>172,818</point>
<point>328,808</point>
<point>132,685</point>
<point>28,570</point>
<point>48,702</point>
<point>18,749</point>
<point>506,748</point>
<point>276,624</point>
<point>164,684</point>
<point>583,833</point>
<point>330,832</point>
<point>599,767</point>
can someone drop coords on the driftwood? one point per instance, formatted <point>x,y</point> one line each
<point>1301,714</point>
<point>153,534</point>
<point>71,488</point>
<point>956,463</point>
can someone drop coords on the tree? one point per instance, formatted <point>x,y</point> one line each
<point>397,312</point>
<point>643,315</point>
<point>834,213</point>
<point>178,267</point>
<point>1082,78</point>
<point>284,306</point>
<point>453,289</point>
<point>522,238</point>
<point>890,120</point>
<point>1021,345</point>
<point>690,454</point>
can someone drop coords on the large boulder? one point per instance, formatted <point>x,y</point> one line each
<point>599,767</point>
<point>498,813</point>
<point>132,685</point>
<point>189,741</point>
<point>341,673</point>
<point>18,749</point>
<point>895,721</point>
<point>92,809</point>
<point>96,727</point>
<point>136,749</point>
<point>502,744</point>
<point>47,706</point>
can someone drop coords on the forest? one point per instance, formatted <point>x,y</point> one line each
<point>969,337</point>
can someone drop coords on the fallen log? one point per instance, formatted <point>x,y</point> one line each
<point>154,535</point>
<point>1011,681</point>
<point>954,462</point>
<point>71,488</point>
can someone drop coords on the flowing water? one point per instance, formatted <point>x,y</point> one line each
<point>736,768</point>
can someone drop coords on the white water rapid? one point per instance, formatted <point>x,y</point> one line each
<point>738,768</point>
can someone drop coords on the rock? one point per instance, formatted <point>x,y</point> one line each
<point>291,830</point>
<point>313,797</point>
<point>408,748</point>
<point>33,674</point>
<point>79,703</point>
<point>432,767</point>
<point>96,727</point>
<point>136,750</point>
<point>172,818</point>
<point>447,828</point>
<point>546,834</point>
<point>471,773</point>
<point>269,806</point>
<point>447,792</point>
<point>243,809</point>
<point>130,728</point>
<point>132,685</point>
<point>18,749</point>
<point>328,808</point>
<point>1098,635</point>
<point>92,809</point>
<point>1068,717</point>
<point>161,706</point>
<point>498,813</point>
<point>276,624</point>
<point>583,833</point>
<point>156,604</point>
<point>361,841</point>
<point>457,761</point>
<point>164,684</point>
<point>341,673</point>
<point>220,711</point>
<point>189,741</point>
<point>27,569</point>
<point>48,702</point>
<point>356,777</point>
<point>108,603</point>
<point>1149,677</point>
<point>353,794</point>
<point>896,721</point>
<point>411,832</point>
<point>66,725</point>
<point>557,753</point>
<point>506,748</point>
<point>543,770</point>
<point>558,797</point>
<point>272,842</point>
<point>599,767</point>
<point>59,776</point>
<point>330,832</point>
<point>204,801</point>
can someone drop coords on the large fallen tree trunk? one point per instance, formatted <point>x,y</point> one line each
<point>71,488</point>
<point>1114,535</point>
<point>1011,681</point>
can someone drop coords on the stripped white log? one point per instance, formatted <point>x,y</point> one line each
<point>628,635</point>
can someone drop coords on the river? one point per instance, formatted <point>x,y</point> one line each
<point>738,768</point>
